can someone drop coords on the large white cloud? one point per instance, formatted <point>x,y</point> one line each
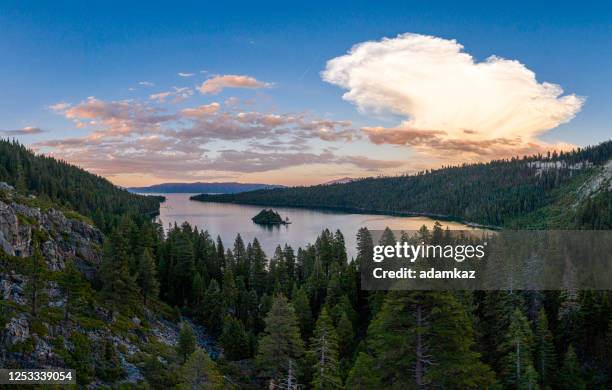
<point>445,95</point>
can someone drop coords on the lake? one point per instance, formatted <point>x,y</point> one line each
<point>226,220</point>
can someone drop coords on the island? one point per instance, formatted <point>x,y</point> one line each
<point>269,217</point>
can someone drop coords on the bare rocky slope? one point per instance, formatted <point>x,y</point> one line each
<point>47,340</point>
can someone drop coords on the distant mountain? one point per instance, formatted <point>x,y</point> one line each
<point>204,188</point>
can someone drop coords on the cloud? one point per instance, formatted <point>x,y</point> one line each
<point>176,96</point>
<point>59,107</point>
<point>398,136</point>
<point>232,101</point>
<point>217,84</point>
<point>449,100</point>
<point>28,130</point>
<point>136,137</point>
<point>182,159</point>
<point>201,111</point>
<point>456,150</point>
<point>146,84</point>
<point>185,74</point>
<point>116,117</point>
<point>329,130</point>
<point>204,122</point>
<point>208,122</point>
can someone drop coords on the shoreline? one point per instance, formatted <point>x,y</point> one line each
<point>358,210</point>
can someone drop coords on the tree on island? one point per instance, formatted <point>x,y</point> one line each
<point>269,217</point>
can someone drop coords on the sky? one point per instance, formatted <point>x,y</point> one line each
<point>302,93</point>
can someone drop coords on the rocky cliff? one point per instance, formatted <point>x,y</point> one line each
<point>63,239</point>
<point>47,339</point>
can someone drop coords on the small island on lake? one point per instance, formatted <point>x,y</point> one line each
<point>269,217</point>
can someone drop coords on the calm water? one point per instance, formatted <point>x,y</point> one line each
<point>226,220</point>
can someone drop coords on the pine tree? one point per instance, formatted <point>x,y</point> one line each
<point>119,288</point>
<point>570,375</point>
<point>265,304</point>
<point>345,335</point>
<point>363,375</point>
<point>365,246</point>
<point>277,273</point>
<point>230,292</point>
<point>220,253</point>
<point>430,335</point>
<point>197,290</point>
<point>335,285</point>
<point>531,379</point>
<point>339,248</point>
<point>36,274</point>
<point>234,339</point>
<point>280,342</point>
<point>517,352</point>
<point>324,353</point>
<point>290,260</point>
<point>212,310</point>
<point>545,359</point>
<point>251,315</point>
<point>302,310</point>
<point>496,313</point>
<point>21,184</point>
<point>325,250</point>
<point>317,285</point>
<point>147,276</point>
<point>387,237</point>
<point>109,368</point>
<point>186,342</point>
<point>242,267</point>
<point>258,275</point>
<point>200,372</point>
<point>80,358</point>
<point>185,269</point>
<point>73,286</point>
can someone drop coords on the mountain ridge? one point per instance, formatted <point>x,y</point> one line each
<point>202,187</point>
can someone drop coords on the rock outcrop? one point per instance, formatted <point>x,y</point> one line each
<point>63,239</point>
<point>600,182</point>
<point>46,339</point>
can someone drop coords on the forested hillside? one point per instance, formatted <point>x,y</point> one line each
<point>68,186</point>
<point>494,193</point>
<point>251,320</point>
<point>300,316</point>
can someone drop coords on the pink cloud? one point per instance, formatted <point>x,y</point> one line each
<point>217,84</point>
<point>201,111</point>
<point>176,96</point>
<point>135,137</point>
